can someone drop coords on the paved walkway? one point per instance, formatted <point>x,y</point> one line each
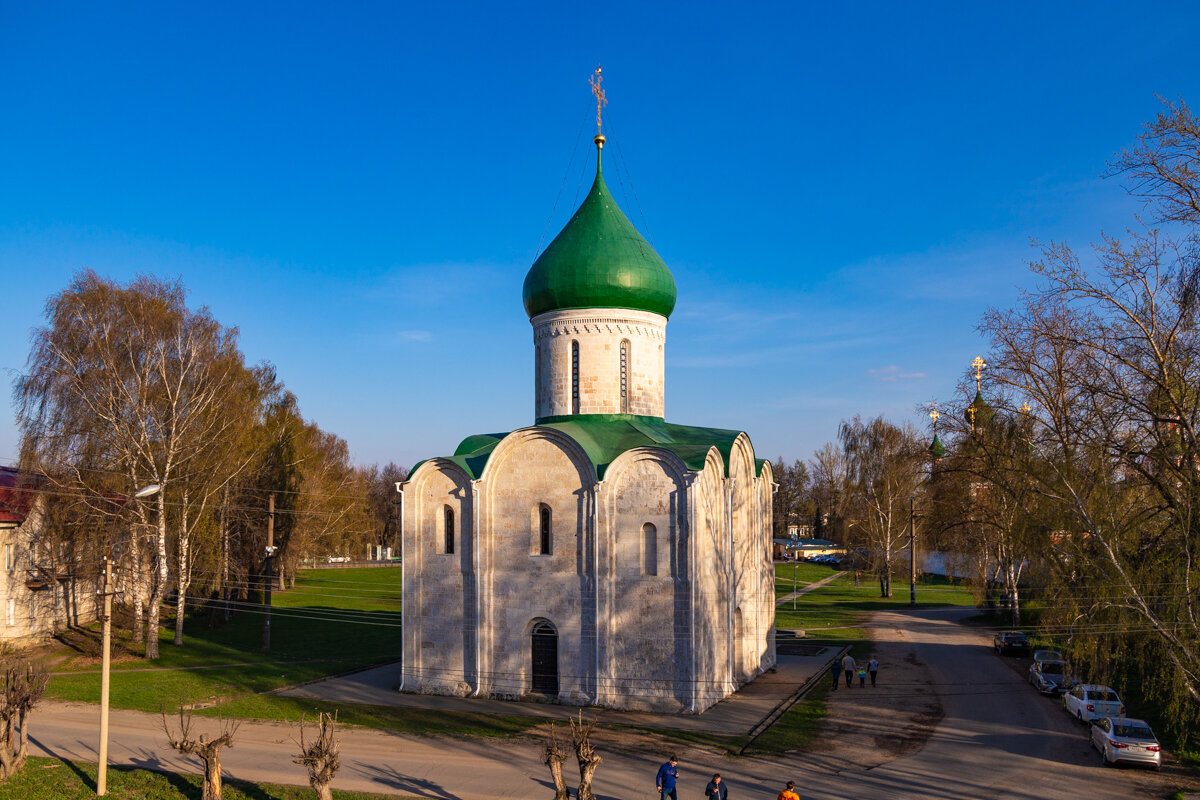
<point>735,715</point>
<point>809,588</point>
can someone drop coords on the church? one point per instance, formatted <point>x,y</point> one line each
<point>601,556</point>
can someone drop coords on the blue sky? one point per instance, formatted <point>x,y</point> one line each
<point>839,189</point>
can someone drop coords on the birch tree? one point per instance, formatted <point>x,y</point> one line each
<point>127,386</point>
<point>884,466</point>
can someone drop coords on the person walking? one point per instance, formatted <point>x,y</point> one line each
<point>788,793</point>
<point>873,668</point>
<point>862,679</point>
<point>835,670</point>
<point>849,666</point>
<point>664,781</point>
<point>716,789</point>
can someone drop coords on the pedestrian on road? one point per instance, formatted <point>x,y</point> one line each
<point>873,668</point>
<point>848,665</point>
<point>862,679</point>
<point>788,794</point>
<point>716,789</point>
<point>664,781</point>
<point>835,669</point>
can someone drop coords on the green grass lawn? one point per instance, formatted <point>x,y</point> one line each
<point>55,779</point>
<point>837,609</point>
<point>333,621</point>
<point>797,728</point>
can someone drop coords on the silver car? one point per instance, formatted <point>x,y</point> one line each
<point>1047,655</point>
<point>1122,739</point>
<point>1049,677</point>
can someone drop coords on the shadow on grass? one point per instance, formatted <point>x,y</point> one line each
<point>87,780</point>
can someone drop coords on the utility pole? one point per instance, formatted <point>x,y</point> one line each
<point>793,585</point>
<point>268,564</point>
<point>106,640</point>
<point>105,660</point>
<point>912,552</point>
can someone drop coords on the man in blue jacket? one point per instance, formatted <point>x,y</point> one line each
<point>664,782</point>
<point>716,789</point>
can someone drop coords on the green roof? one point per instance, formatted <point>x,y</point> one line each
<point>604,437</point>
<point>599,260</point>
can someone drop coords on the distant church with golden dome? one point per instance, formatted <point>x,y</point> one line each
<point>602,555</point>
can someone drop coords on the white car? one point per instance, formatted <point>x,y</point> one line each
<point>1125,740</point>
<point>1087,702</point>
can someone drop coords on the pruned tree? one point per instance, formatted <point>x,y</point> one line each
<point>322,756</point>
<point>586,755</point>
<point>205,748</point>
<point>21,686</point>
<point>553,757</point>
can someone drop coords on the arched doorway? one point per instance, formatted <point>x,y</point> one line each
<point>544,672</point>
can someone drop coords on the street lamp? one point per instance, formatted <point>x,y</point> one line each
<point>106,643</point>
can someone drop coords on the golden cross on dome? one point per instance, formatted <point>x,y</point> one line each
<point>596,80</point>
<point>979,366</point>
<point>935,416</point>
<point>1026,408</point>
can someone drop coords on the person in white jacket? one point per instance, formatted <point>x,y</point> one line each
<point>849,666</point>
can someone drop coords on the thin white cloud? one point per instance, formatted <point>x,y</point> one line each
<point>892,373</point>
<point>414,336</point>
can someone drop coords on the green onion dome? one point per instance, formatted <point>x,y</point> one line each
<point>936,448</point>
<point>983,412</point>
<point>599,260</point>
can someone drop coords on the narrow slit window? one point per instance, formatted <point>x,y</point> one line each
<point>574,377</point>
<point>546,535</point>
<point>624,376</point>
<point>449,530</point>
<point>649,549</point>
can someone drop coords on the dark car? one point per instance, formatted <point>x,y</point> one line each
<point>1010,642</point>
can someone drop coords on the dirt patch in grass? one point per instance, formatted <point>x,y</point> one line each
<point>866,727</point>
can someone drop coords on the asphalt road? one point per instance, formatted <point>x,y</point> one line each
<point>998,739</point>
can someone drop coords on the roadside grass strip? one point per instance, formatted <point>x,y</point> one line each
<point>59,779</point>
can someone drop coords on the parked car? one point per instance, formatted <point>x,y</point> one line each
<point>1047,655</point>
<point>1050,677</point>
<point>1087,702</point>
<point>1010,642</point>
<point>1125,740</point>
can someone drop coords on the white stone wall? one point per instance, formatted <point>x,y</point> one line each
<point>627,638</point>
<point>645,609</point>
<point>599,333</point>
<point>438,596</point>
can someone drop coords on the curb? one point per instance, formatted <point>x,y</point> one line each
<point>781,709</point>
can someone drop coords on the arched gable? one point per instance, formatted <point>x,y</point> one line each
<point>507,446</point>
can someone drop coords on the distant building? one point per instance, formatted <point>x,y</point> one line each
<point>39,593</point>
<point>602,556</point>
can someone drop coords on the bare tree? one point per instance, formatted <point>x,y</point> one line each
<point>207,749</point>
<point>321,756</point>
<point>586,755</point>
<point>885,466</point>
<point>553,757</point>
<point>21,686</point>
